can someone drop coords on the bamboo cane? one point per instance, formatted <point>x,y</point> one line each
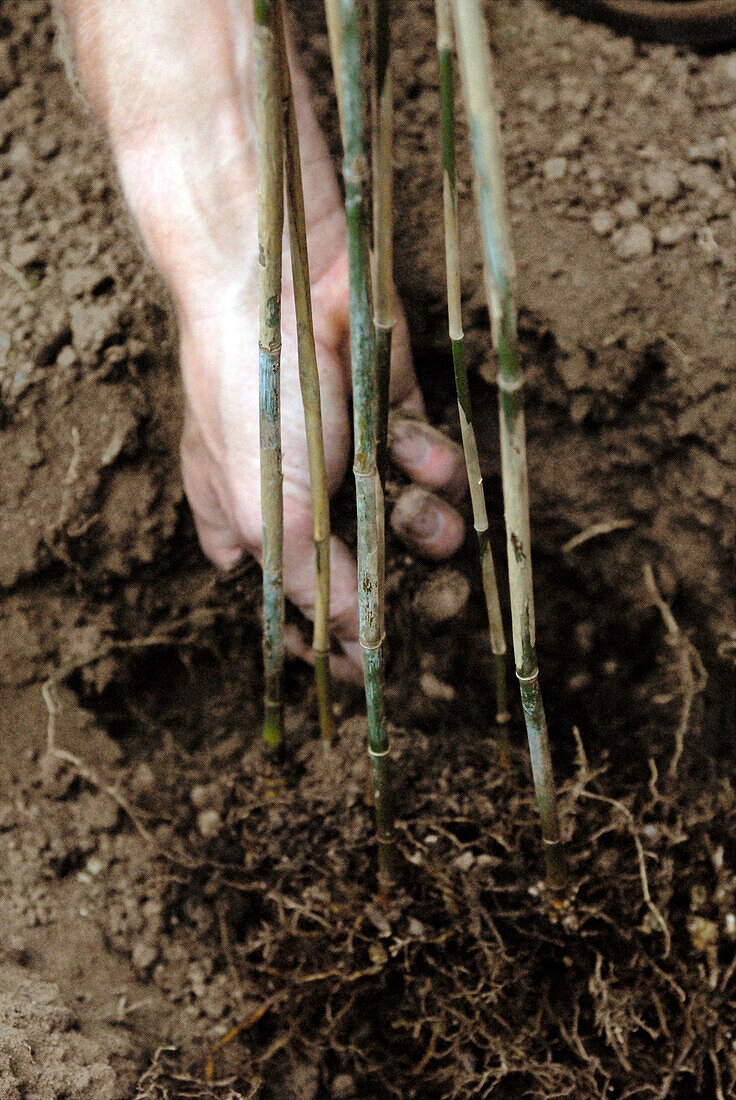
<point>382,125</point>
<point>475,66</point>
<point>309,382</point>
<point>454,311</point>
<point>369,494</point>
<point>270,231</point>
<point>333,15</point>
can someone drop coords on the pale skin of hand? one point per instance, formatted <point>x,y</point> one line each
<point>172,83</point>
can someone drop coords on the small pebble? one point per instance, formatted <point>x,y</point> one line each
<point>142,779</point>
<point>66,358</point>
<point>209,823</point>
<point>378,919</point>
<point>204,796</point>
<point>554,168</point>
<point>573,369</point>
<point>377,954</point>
<point>343,1087</point>
<point>540,99</point>
<point>707,243</point>
<point>442,597</point>
<point>48,146</point>
<point>570,142</point>
<point>436,689</point>
<point>303,1082</point>
<point>465,861</point>
<point>701,177</point>
<point>703,933</point>
<point>661,183</point>
<point>670,235</point>
<point>634,243</point>
<point>627,210</point>
<point>603,223</point>
<point>580,406</point>
<point>144,955</point>
<point>578,99</point>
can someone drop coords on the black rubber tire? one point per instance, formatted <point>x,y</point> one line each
<point>688,22</point>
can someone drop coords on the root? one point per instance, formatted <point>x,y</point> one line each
<point>580,791</point>
<point>87,773</point>
<point>693,676</point>
<point>597,530</point>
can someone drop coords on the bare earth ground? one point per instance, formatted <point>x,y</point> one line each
<point>160,881</point>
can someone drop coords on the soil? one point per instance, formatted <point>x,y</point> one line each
<point>162,881</point>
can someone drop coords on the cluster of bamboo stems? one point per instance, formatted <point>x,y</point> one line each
<point>278,147</point>
<point>371,322</point>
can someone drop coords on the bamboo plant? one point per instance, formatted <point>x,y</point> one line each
<point>477,79</point>
<point>454,311</point>
<point>345,30</point>
<point>309,383</point>
<point>382,126</point>
<point>270,231</point>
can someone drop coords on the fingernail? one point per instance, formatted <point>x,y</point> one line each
<point>418,517</point>
<point>410,446</point>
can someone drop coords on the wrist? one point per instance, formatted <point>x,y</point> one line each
<point>159,67</point>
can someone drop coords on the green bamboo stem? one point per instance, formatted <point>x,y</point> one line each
<point>309,383</point>
<point>454,311</point>
<point>475,65</point>
<point>270,231</point>
<point>382,124</point>
<point>369,494</point>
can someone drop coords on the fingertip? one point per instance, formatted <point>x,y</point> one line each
<point>342,665</point>
<point>428,457</point>
<point>345,668</point>
<point>217,542</point>
<point>427,524</point>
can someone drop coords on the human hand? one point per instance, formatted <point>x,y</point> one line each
<point>172,82</point>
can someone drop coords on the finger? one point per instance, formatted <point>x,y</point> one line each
<point>405,394</point>
<point>425,454</point>
<point>428,457</point>
<point>341,667</point>
<point>216,530</point>
<point>427,524</point>
<point>299,577</point>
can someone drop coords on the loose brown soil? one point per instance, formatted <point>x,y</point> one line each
<point>161,881</point>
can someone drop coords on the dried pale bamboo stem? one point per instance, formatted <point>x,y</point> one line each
<point>454,310</point>
<point>475,64</point>
<point>309,382</point>
<point>369,494</point>
<point>382,124</point>
<point>333,15</point>
<point>270,232</point>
